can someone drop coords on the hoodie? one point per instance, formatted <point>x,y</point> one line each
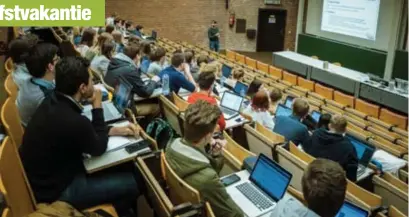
<point>122,65</point>
<point>200,171</point>
<point>288,206</point>
<point>335,147</point>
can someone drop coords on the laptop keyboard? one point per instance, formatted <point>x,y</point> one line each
<point>110,112</point>
<point>228,111</point>
<point>257,198</point>
<point>361,170</point>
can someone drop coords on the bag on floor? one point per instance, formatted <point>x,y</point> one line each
<point>161,131</point>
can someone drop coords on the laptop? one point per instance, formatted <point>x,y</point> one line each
<point>226,71</point>
<point>230,105</point>
<point>364,152</point>
<point>114,110</point>
<point>283,110</point>
<point>267,184</point>
<point>154,35</point>
<point>241,87</point>
<point>316,116</point>
<point>351,210</point>
<point>289,102</point>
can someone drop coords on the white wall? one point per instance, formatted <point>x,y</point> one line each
<point>387,9</point>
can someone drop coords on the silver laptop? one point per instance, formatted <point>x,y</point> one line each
<point>364,153</point>
<point>230,104</point>
<point>267,185</point>
<point>114,110</point>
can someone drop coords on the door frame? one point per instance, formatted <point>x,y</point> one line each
<point>258,23</point>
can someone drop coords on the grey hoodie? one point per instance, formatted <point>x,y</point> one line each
<point>288,206</point>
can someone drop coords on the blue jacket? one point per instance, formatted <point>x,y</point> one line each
<point>177,80</point>
<point>292,129</point>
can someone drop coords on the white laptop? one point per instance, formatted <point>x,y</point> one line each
<point>230,104</point>
<point>114,110</point>
<point>267,184</point>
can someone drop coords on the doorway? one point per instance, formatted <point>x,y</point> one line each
<point>271,29</point>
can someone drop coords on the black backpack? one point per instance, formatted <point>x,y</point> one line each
<point>161,131</point>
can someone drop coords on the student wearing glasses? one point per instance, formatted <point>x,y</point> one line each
<point>40,64</point>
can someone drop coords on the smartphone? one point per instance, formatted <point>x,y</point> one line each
<point>136,146</point>
<point>229,180</point>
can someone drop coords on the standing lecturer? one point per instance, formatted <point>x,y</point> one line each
<point>214,35</point>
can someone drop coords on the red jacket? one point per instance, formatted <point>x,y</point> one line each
<point>200,96</point>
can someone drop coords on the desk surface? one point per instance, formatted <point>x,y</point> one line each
<point>342,71</point>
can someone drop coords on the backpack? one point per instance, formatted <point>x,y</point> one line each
<point>161,131</point>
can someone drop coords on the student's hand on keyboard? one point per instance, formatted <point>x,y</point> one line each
<point>96,98</point>
<point>129,130</point>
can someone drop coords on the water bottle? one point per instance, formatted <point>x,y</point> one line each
<point>222,80</point>
<point>165,84</point>
<point>242,92</point>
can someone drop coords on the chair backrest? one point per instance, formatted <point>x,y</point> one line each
<point>9,65</point>
<point>12,122</point>
<point>307,84</point>
<point>289,77</point>
<point>171,113</point>
<point>179,190</point>
<point>344,99</point>
<point>6,213</point>
<point>240,58</point>
<point>270,135</point>
<point>392,190</point>
<point>209,210</point>
<point>400,121</point>
<point>100,77</point>
<point>258,143</point>
<point>276,72</point>
<point>300,154</point>
<point>13,181</point>
<point>231,55</point>
<point>326,92</point>
<point>292,164</point>
<point>394,212</point>
<point>10,87</point>
<point>179,102</point>
<point>367,108</point>
<point>234,153</point>
<point>262,67</point>
<point>251,62</point>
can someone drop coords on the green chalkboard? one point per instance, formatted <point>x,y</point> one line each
<point>400,66</point>
<point>350,56</point>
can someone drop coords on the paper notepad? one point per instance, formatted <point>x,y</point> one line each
<point>118,142</point>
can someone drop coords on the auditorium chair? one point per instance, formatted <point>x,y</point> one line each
<point>179,102</point>
<point>367,108</point>
<point>326,92</point>
<point>240,58</point>
<point>344,99</point>
<point>15,187</point>
<point>234,154</point>
<point>12,122</point>
<point>262,67</point>
<point>392,190</point>
<point>400,121</point>
<point>11,87</point>
<point>251,62</point>
<point>276,72</point>
<point>290,77</point>
<point>9,65</point>
<point>262,140</point>
<point>172,114</point>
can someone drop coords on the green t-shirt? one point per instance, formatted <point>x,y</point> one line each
<point>212,34</point>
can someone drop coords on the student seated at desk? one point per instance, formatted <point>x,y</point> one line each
<point>332,144</point>
<point>323,185</point>
<point>125,65</point>
<point>101,62</point>
<point>58,135</point>
<point>291,127</point>
<point>96,49</point>
<point>206,81</point>
<point>258,110</point>
<point>237,75</point>
<point>176,75</point>
<point>254,87</point>
<point>119,41</point>
<point>40,63</point>
<point>190,161</point>
<point>87,41</point>
<point>18,51</point>
<point>158,57</point>
<point>275,97</point>
<point>323,122</point>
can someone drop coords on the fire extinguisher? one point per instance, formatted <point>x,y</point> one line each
<point>232,19</point>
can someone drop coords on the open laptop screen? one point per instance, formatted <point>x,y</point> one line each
<point>122,95</point>
<point>226,71</point>
<point>231,101</point>
<point>283,110</point>
<point>289,101</point>
<point>364,151</point>
<point>239,87</point>
<point>316,116</point>
<point>270,177</point>
<point>350,210</point>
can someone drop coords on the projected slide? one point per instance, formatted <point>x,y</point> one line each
<point>358,18</point>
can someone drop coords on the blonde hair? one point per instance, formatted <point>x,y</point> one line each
<point>300,107</point>
<point>238,74</point>
<point>338,123</point>
<point>76,30</point>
